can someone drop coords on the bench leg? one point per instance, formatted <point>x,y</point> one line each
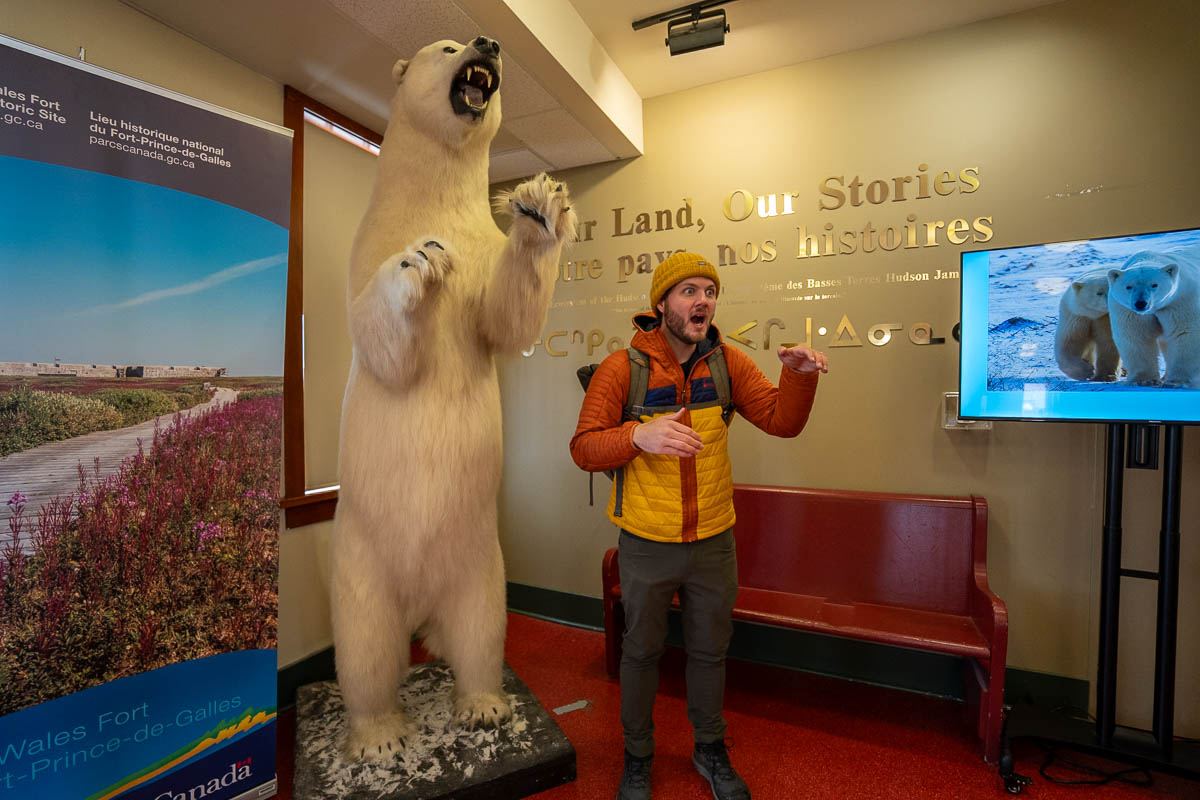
<point>985,689</point>
<point>614,630</point>
<point>991,714</point>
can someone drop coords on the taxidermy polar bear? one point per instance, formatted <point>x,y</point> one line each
<point>435,290</point>
<point>1083,342</point>
<point>1153,303</point>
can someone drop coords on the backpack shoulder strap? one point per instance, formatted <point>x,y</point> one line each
<point>720,375</point>
<point>639,382</point>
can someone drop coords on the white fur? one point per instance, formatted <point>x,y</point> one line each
<point>1166,286</point>
<point>1083,342</point>
<point>415,549</point>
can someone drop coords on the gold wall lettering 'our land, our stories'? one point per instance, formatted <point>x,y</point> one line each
<point>807,240</point>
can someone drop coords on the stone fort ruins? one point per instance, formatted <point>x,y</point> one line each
<point>34,369</point>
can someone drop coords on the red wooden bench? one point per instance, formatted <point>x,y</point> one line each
<point>897,569</point>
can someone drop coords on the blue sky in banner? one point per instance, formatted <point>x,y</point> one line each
<point>103,270</point>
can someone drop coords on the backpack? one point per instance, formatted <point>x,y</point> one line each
<point>639,382</point>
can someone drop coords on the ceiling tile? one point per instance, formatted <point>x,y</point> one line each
<point>559,139</point>
<point>514,164</point>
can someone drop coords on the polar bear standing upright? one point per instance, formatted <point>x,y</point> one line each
<point>1154,303</point>
<point>1083,343</point>
<point>435,291</point>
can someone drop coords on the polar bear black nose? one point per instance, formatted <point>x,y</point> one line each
<point>489,47</point>
<point>1140,305</point>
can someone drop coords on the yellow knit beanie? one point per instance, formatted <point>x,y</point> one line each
<point>677,268</point>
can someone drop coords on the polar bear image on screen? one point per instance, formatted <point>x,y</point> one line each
<point>1154,303</point>
<point>1083,344</point>
<point>436,290</point>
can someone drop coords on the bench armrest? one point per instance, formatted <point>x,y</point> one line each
<point>988,610</point>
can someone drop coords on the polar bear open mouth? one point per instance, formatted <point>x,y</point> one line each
<point>472,87</point>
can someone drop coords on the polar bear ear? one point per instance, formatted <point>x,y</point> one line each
<point>1171,270</point>
<point>1078,286</point>
<point>1114,275</point>
<point>398,70</point>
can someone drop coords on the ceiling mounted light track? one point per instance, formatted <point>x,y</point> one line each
<point>691,27</point>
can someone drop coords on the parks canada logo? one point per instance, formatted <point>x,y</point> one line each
<point>236,774</point>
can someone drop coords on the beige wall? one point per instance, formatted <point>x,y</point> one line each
<point>119,38</point>
<point>1043,104</point>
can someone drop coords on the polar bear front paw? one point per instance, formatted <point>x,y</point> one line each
<point>1172,381</point>
<point>418,270</point>
<point>378,739</point>
<point>482,709</point>
<point>540,208</point>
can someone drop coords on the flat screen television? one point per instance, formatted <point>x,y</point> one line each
<point>1037,330</point>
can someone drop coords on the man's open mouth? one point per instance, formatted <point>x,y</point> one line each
<point>472,87</point>
<point>699,319</point>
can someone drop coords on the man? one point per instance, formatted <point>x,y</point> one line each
<point>672,498</point>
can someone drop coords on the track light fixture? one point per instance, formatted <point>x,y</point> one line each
<point>690,27</point>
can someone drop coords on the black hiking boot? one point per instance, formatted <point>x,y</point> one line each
<point>712,762</point>
<point>635,783</point>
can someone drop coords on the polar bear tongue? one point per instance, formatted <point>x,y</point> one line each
<point>473,95</point>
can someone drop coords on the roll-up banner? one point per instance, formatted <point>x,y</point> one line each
<point>143,262</point>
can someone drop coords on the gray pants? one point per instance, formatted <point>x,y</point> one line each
<point>705,575</point>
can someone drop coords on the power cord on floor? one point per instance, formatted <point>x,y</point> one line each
<point>1119,776</point>
<point>1103,777</point>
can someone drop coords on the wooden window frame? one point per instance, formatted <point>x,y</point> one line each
<point>300,505</point>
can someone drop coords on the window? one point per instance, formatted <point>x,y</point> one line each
<point>338,184</point>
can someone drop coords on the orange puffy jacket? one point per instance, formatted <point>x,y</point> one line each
<point>668,498</point>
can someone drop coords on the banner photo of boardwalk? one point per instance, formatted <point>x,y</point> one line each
<point>143,255</point>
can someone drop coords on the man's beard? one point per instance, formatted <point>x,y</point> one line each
<point>678,324</point>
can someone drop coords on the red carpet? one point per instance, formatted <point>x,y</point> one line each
<point>793,735</point>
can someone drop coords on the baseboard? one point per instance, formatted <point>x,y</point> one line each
<point>1046,690</point>
<point>894,667</point>
<point>866,662</point>
<point>314,668</point>
<point>562,607</point>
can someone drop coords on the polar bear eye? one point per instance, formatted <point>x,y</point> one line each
<point>1154,286</point>
<point>449,50</point>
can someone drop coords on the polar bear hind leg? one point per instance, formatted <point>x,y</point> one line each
<point>467,630</point>
<point>372,650</point>
<point>1073,348</point>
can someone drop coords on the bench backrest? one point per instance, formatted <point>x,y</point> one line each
<point>869,547</point>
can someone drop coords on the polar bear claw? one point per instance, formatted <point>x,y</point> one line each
<point>378,739</point>
<point>482,710</point>
<point>545,202</point>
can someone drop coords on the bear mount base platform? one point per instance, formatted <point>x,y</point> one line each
<point>527,754</point>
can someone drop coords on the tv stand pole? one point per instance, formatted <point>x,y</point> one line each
<point>1156,749</point>
<point>1168,595</point>
<point>1110,585</point>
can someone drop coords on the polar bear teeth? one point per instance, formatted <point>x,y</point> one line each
<point>475,84</point>
<point>473,71</point>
